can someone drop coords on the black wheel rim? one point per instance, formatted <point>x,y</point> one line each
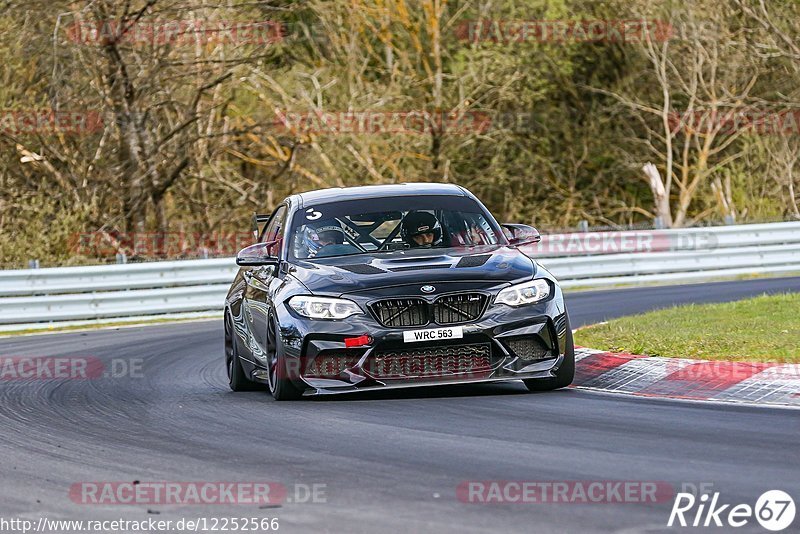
<point>272,355</point>
<point>229,352</point>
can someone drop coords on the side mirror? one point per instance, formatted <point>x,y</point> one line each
<point>258,254</point>
<point>521,234</point>
<point>257,220</point>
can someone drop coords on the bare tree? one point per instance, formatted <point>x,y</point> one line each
<point>705,75</point>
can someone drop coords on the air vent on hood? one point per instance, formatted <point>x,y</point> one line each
<point>474,261</point>
<point>361,268</point>
<point>418,267</point>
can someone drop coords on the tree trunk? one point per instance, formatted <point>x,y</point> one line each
<point>660,196</point>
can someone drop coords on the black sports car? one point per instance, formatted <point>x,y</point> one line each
<point>389,286</point>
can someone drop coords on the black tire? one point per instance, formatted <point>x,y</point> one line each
<point>237,380</point>
<point>565,374</point>
<point>280,384</point>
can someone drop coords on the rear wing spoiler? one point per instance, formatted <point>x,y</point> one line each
<point>259,219</point>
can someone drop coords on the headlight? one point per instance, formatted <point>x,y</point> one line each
<point>522,294</point>
<point>323,307</point>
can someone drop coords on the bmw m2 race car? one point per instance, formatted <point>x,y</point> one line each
<point>389,286</point>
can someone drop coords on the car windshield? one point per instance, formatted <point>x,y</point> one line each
<point>388,224</point>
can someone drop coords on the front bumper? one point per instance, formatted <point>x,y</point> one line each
<point>505,344</point>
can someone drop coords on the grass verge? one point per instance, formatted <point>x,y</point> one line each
<point>765,329</point>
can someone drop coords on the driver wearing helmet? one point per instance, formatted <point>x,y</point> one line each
<point>421,229</point>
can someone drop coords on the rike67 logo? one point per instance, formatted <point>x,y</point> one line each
<point>774,510</point>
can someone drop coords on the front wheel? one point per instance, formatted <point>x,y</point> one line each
<point>565,374</point>
<point>237,380</point>
<point>280,384</point>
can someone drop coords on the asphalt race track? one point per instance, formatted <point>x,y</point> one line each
<point>388,461</point>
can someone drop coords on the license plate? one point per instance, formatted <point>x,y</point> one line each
<point>433,334</point>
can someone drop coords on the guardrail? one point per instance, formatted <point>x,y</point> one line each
<point>663,256</point>
<point>579,260</point>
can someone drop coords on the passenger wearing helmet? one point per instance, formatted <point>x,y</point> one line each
<point>327,235</point>
<point>421,229</point>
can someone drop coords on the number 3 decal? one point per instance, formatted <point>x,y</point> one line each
<point>312,214</point>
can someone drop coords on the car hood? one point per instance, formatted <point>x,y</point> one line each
<point>393,272</point>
